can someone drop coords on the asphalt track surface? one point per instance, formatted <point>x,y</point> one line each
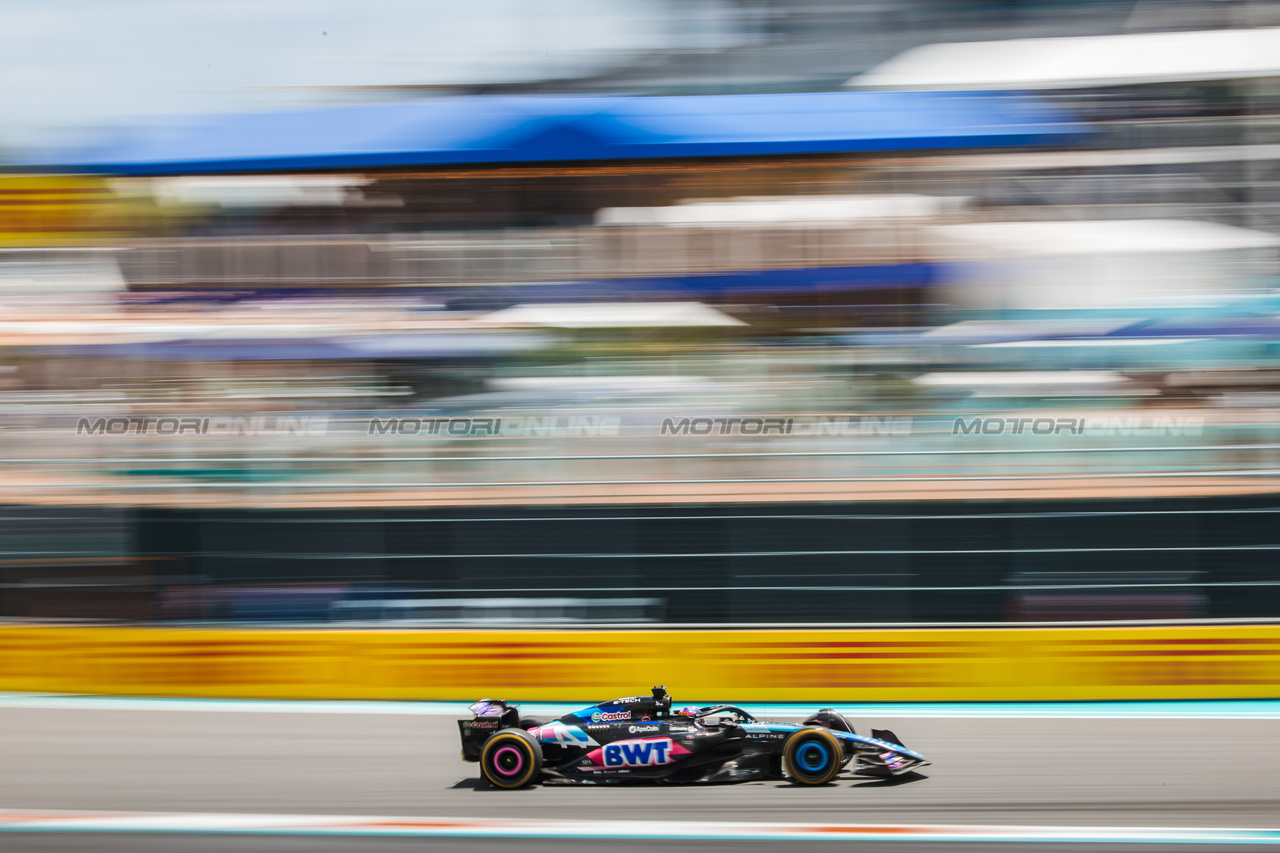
<point>1056,772</point>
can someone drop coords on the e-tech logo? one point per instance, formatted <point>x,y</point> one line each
<point>639,753</point>
<point>610,716</point>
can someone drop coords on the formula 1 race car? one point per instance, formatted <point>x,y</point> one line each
<point>639,738</point>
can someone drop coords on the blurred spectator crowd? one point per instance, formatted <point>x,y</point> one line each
<point>1099,248</point>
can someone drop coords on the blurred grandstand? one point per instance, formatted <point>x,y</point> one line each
<point>852,277</point>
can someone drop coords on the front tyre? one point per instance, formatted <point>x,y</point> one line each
<point>511,758</point>
<point>812,756</point>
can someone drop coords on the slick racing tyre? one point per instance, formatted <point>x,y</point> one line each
<point>812,756</point>
<point>511,758</point>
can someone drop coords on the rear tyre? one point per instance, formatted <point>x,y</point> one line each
<point>812,756</point>
<point>511,758</point>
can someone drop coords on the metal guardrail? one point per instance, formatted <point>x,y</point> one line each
<point>489,610</point>
<point>247,473</point>
<point>519,255</point>
<point>394,484</point>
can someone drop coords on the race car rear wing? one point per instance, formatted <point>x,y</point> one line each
<point>490,716</point>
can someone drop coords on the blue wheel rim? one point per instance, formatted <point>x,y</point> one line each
<point>813,756</point>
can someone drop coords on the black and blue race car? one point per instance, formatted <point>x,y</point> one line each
<point>640,738</point>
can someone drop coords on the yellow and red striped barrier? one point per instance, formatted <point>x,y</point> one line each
<point>1013,664</point>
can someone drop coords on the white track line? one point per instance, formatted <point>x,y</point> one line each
<point>13,820</point>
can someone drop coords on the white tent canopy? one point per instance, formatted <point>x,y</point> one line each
<point>259,190</point>
<point>1082,62</point>
<point>605,315</point>
<point>1100,264</point>
<point>781,210</point>
<point>1123,236</point>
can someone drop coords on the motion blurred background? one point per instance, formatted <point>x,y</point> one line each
<point>732,312</point>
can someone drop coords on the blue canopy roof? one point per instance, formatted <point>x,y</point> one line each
<point>536,128</point>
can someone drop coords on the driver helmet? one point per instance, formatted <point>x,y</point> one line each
<point>689,711</point>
